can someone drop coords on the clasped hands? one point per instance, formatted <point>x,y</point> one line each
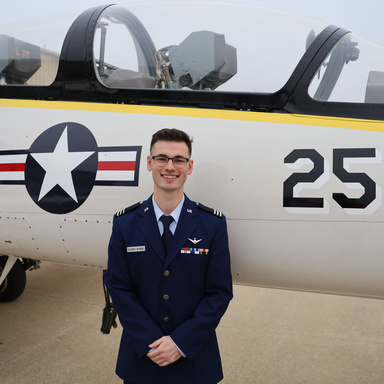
<point>164,351</point>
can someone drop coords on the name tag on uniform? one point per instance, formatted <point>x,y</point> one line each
<point>136,249</point>
<point>195,251</point>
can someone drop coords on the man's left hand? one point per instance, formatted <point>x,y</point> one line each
<point>165,353</point>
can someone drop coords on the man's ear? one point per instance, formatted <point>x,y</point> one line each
<point>190,165</point>
<point>149,163</point>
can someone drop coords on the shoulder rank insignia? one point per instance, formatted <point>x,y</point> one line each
<point>210,210</point>
<point>128,209</point>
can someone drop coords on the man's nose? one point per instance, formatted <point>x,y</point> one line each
<point>170,164</point>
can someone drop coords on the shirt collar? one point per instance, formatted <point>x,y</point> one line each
<point>175,213</point>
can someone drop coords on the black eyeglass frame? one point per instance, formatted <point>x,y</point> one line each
<point>173,160</point>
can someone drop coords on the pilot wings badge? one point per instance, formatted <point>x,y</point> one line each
<point>194,241</point>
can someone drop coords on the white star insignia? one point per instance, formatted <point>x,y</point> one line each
<point>58,166</point>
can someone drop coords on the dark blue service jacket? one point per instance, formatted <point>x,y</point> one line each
<point>183,294</point>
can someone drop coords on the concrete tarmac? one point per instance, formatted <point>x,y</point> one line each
<point>51,335</point>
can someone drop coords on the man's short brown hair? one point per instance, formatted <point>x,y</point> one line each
<point>172,134</point>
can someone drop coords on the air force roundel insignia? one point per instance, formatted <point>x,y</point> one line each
<point>63,165</point>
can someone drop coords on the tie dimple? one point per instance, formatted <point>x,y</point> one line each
<point>167,234</point>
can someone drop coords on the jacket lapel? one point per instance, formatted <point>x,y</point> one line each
<point>150,228</point>
<point>184,229</point>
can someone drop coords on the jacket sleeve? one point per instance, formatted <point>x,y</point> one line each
<point>191,335</point>
<point>133,317</point>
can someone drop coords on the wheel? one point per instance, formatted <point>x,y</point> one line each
<point>14,284</point>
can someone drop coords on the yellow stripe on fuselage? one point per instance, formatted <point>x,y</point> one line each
<point>282,118</point>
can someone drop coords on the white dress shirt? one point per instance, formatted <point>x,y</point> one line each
<point>175,214</point>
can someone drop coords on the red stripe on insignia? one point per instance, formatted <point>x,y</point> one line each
<point>116,166</point>
<point>12,167</point>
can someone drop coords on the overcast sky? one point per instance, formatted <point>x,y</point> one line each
<point>364,18</point>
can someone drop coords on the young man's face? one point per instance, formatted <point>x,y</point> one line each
<point>169,177</point>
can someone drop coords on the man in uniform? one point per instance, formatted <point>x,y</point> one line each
<point>169,276</point>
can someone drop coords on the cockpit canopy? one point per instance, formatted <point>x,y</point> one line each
<point>153,44</point>
<point>194,46</point>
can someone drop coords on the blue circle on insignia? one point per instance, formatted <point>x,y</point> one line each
<point>61,167</point>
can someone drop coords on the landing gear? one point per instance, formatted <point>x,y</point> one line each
<point>13,285</point>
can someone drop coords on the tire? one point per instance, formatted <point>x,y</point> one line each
<point>14,284</point>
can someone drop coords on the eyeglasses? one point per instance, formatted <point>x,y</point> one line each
<point>162,161</point>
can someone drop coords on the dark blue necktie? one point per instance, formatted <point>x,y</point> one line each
<point>167,234</point>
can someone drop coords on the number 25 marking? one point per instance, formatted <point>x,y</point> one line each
<point>342,158</point>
